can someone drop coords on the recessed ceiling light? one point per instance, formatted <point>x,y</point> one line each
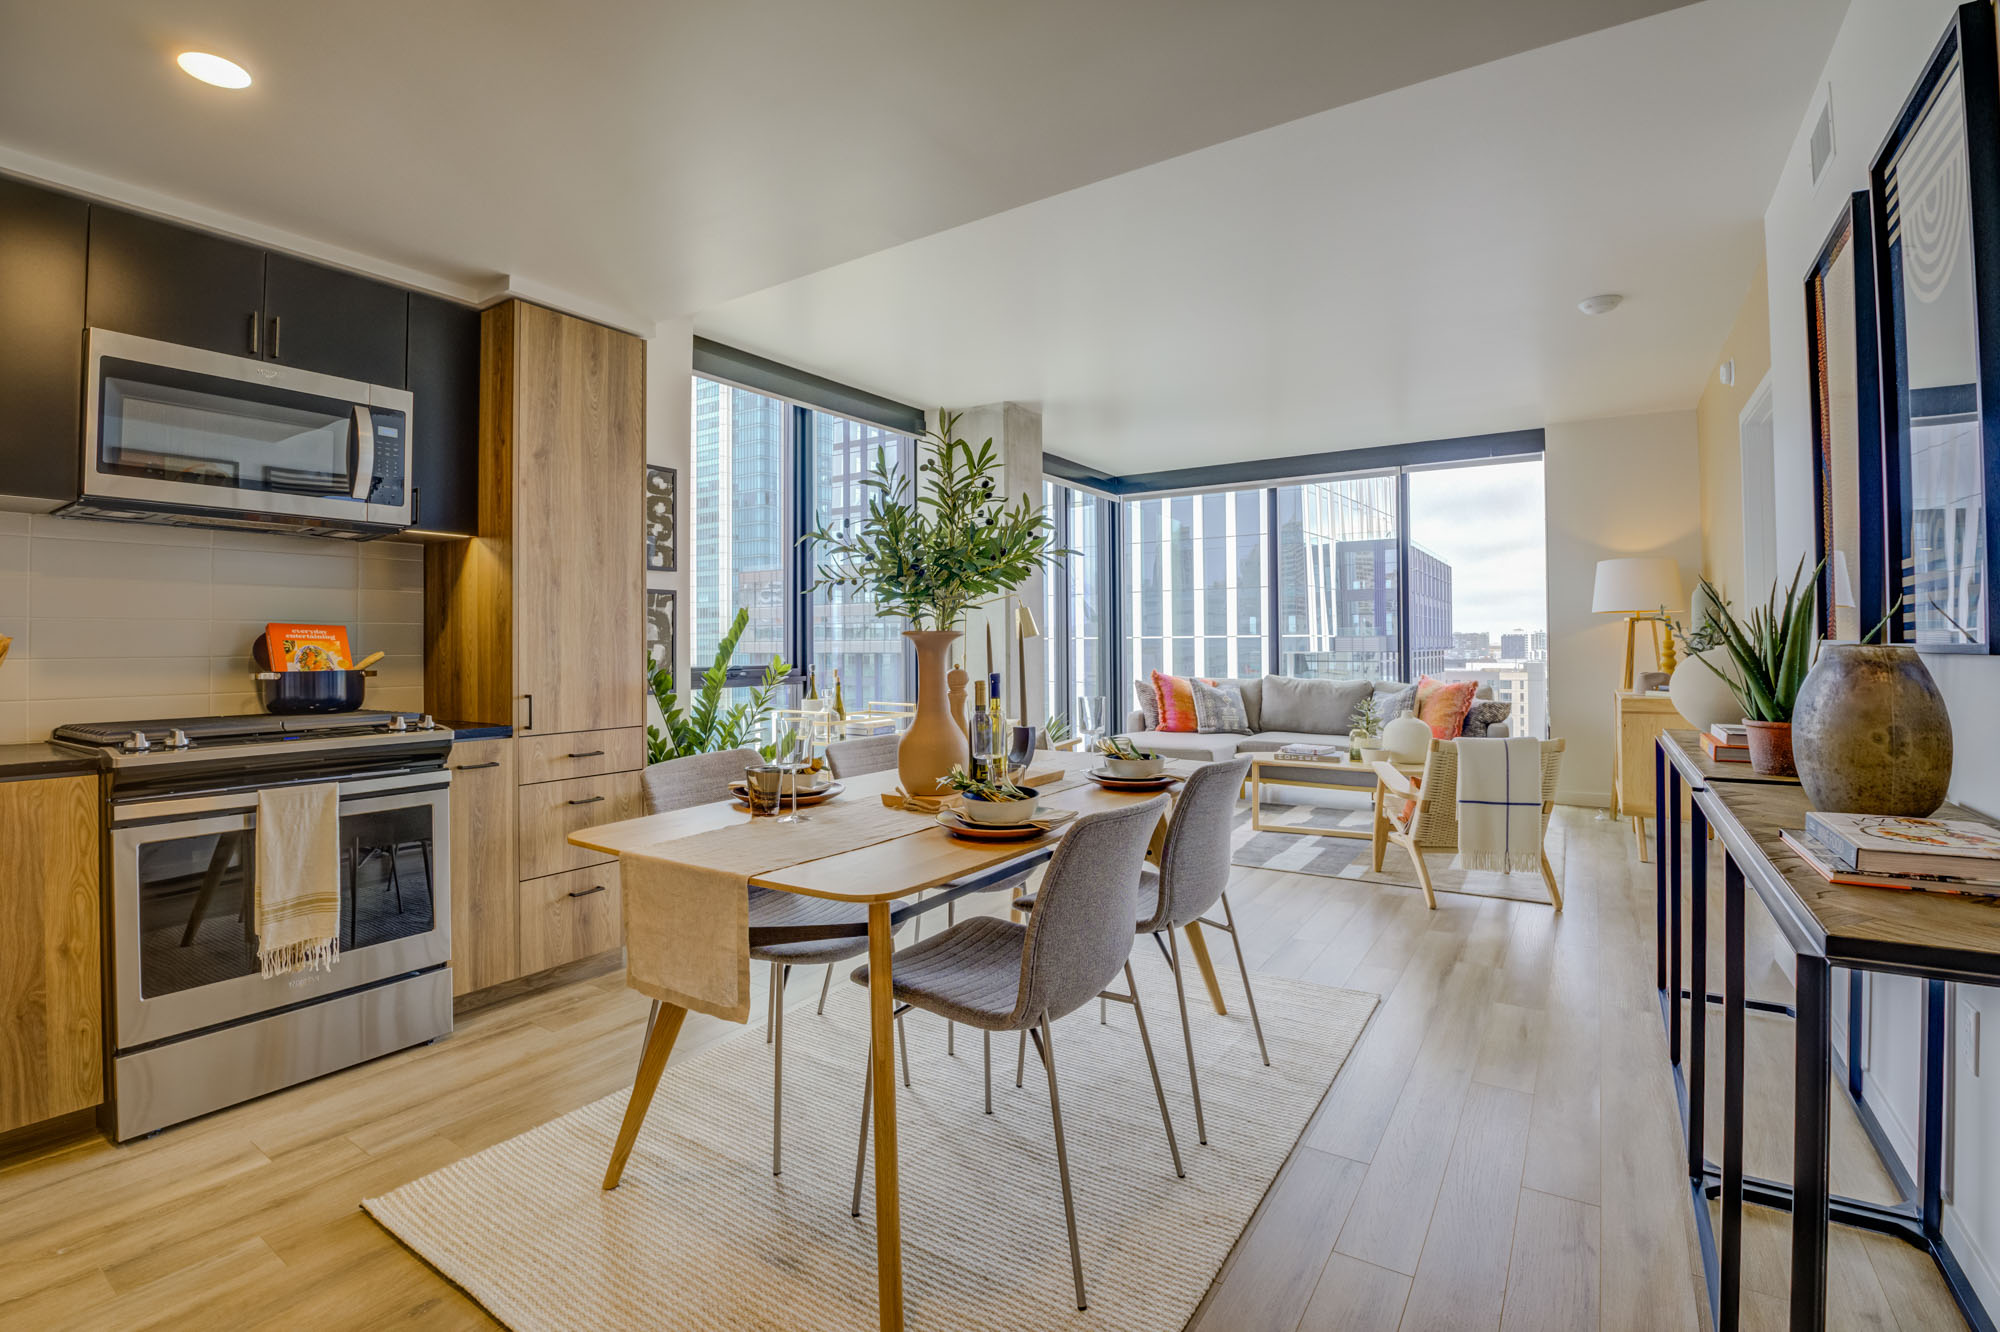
<point>1596,305</point>
<point>214,69</point>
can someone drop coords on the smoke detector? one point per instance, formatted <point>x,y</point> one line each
<point>1597,305</point>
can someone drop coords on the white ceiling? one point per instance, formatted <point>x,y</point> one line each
<point>642,159</point>
<point>1402,268</point>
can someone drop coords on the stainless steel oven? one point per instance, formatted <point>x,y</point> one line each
<point>186,436</point>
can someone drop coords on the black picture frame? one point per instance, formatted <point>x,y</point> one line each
<point>661,522</point>
<point>1967,50</point>
<point>1851,238</point>
<point>663,627</point>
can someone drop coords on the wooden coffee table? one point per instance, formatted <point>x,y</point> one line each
<point>1340,771</point>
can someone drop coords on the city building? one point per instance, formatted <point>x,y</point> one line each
<point>1524,686</point>
<point>1472,644</point>
<point>1514,646</point>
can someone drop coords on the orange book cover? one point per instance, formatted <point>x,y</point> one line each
<point>307,647</point>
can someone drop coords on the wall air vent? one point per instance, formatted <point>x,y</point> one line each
<point>1820,147</point>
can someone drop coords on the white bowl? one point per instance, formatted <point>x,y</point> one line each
<point>999,813</point>
<point>1150,766</point>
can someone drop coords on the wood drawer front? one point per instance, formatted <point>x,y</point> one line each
<point>485,944</point>
<point>551,811</point>
<point>568,916</point>
<point>555,758</point>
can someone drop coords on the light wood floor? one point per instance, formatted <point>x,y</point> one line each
<point>1501,1151</point>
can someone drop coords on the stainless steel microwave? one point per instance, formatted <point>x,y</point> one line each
<point>197,438</point>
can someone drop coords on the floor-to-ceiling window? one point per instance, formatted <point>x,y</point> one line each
<point>849,634</point>
<point>1339,579</point>
<point>1197,570</point>
<point>1077,602</point>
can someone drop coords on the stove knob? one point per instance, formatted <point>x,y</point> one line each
<point>177,739</point>
<point>429,723</point>
<point>396,723</point>
<point>136,743</point>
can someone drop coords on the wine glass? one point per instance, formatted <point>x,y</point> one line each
<point>1090,720</point>
<point>794,751</point>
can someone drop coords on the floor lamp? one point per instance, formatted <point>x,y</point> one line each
<point>1637,588</point>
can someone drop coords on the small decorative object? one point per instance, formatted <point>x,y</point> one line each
<point>708,726</point>
<point>930,558</point>
<point>993,803</point>
<point>763,788</point>
<point>662,499</point>
<point>1870,732</point>
<point>1123,759</point>
<point>661,624</point>
<point>1639,589</point>
<point>1363,728</point>
<point>1407,738</point>
<point>955,682</point>
<point>1771,655</point>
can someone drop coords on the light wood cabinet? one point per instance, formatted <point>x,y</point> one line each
<point>485,886</point>
<point>537,623</point>
<point>51,997</point>
<point>1637,720</point>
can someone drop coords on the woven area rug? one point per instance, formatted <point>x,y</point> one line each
<point>700,1236</point>
<point>1348,858</point>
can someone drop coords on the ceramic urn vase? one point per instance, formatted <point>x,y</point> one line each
<point>1870,732</point>
<point>935,743</point>
<point>1407,738</point>
<point>1700,695</point>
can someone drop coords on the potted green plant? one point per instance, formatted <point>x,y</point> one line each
<point>1365,730</point>
<point>928,553</point>
<point>708,726</point>
<point>1772,651</point>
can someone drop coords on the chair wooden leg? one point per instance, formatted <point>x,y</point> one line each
<point>1423,874</point>
<point>658,1046</point>
<point>1639,836</point>
<point>1549,878</point>
<point>1380,839</point>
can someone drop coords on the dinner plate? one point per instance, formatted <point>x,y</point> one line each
<point>806,798</point>
<point>959,826</point>
<point>1106,780</point>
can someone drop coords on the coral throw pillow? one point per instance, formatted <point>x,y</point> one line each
<point>1176,702</point>
<point>1442,706</point>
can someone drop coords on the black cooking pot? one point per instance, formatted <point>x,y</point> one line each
<point>312,691</point>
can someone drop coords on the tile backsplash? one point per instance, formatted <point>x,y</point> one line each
<point>117,621</point>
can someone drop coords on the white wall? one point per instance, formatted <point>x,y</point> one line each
<point>670,443</point>
<point>1627,485</point>
<point>1877,56</point>
<point>132,622</point>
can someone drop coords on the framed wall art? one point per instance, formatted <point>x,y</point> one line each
<point>662,626</point>
<point>1845,365</point>
<point>1936,201</point>
<point>661,527</point>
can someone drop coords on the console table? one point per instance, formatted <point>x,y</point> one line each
<point>1937,937</point>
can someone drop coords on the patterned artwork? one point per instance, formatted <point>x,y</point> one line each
<point>662,500</point>
<point>661,625</point>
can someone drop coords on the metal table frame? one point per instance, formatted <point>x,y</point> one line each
<point>1916,1218</point>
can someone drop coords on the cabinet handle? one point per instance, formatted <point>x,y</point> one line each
<point>474,767</point>
<point>587,800</point>
<point>274,337</point>
<point>588,891</point>
<point>531,712</point>
<point>256,325</point>
<point>586,753</point>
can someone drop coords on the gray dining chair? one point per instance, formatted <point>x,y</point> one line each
<point>997,975</point>
<point>700,779</point>
<point>1193,875</point>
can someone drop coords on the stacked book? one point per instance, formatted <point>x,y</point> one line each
<point>1727,742</point>
<point>1885,851</point>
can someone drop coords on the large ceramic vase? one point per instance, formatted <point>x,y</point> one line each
<point>1870,732</point>
<point>934,744</point>
<point>1701,696</point>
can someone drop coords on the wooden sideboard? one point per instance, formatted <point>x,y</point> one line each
<point>1637,720</point>
<point>537,623</point>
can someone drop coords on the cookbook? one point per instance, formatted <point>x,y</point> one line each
<point>1890,844</point>
<point>307,647</point>
<point>1822,862</point>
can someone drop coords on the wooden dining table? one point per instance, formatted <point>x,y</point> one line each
<point>879,876</point>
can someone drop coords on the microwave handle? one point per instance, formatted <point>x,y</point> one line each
<point>362,448</point>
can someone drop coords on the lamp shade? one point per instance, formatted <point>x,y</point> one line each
<point>1024,622</point>
<point>1635,586</point>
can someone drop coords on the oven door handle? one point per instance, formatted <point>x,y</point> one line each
<point>127,811</point>
<point>360,448</point>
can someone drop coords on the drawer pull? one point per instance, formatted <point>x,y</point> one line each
<point>587,800</point>
<point>588,891</point>
<point>474,767</point>
<point>587,753</point>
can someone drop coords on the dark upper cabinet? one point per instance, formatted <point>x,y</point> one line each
<point>322,319</point>
<point>42,247</point>
<point>160,281</point>
<point>444,434</point>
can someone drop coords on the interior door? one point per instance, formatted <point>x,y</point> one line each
<point>579,452</point>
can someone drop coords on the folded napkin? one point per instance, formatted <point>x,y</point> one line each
<point>916,804</point>
<point>1500,804</point>
<point>298,878</point>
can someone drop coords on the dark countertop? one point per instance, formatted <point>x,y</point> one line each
<point>25,762</point>
<point>476,730</point>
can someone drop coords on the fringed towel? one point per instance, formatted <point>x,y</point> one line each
<point>1500,805</point>
<point>298,878</point>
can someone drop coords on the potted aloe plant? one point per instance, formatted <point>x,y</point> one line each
<point>1772,651</point>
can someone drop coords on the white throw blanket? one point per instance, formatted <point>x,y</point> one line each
<point>1500,804</point>
<point>298,878</point>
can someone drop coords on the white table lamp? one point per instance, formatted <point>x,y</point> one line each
<point>1636,588</point>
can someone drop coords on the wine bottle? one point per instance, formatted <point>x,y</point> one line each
<point>981,734</point>
<point>812,684</point>
<point>998,713</point>
<point>839,701</point>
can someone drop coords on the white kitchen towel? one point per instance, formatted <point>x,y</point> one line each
<point>1500,805</point>
<point>298,878</point>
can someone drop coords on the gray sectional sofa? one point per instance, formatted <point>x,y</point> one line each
<point>1281,711</point>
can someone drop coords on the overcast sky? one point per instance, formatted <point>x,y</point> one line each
<point>1486,523</point>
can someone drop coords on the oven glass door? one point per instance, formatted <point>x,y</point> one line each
<point>187,939</point>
